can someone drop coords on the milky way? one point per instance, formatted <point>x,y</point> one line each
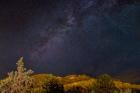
<point>71,36</point>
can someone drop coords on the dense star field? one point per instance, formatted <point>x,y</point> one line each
<point>72,36</point>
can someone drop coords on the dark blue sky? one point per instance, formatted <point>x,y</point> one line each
<point>72,36</point>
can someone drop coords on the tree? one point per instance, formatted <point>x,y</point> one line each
<point>104,84</point>
<point>18,81</point>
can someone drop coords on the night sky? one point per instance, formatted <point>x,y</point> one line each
<point>71,36</point>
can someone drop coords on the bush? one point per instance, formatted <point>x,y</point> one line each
<point>76,89</point>
<point>53,86</point>
<point>104,84</point>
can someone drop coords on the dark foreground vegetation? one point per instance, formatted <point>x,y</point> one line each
<point>22,81</point>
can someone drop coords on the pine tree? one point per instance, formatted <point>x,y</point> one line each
<point>18,81</point>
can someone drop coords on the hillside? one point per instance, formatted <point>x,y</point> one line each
<point>83,81</point>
